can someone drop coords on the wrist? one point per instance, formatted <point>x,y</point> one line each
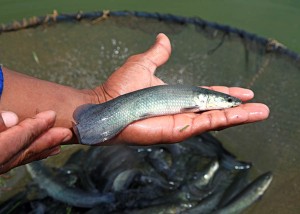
<point>91,96</point>
<point>96,95</point>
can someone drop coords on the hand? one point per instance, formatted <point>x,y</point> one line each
<point>30,140</point>
<point>138,72</point>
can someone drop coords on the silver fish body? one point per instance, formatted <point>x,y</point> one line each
<point>59,191</point>
<point>96,123</point>
<point>249,195</point>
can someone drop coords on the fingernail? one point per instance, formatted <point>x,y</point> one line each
<point>9,118</point>
<point>55,151</point>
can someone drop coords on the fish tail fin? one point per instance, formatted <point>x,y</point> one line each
<point>79,111</point>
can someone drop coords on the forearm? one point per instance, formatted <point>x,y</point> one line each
<point>26,96</point>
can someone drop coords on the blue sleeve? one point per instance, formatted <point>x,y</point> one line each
<point>1,81</point>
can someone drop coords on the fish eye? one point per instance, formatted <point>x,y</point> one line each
<point>229,99</point>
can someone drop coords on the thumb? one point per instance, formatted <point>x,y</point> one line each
<point>160,52</point>
<point>8,119</point>
<point>155,56</point>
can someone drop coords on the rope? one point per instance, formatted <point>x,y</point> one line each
<point>55,17</point>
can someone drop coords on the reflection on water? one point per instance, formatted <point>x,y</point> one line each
<point>84,54</point>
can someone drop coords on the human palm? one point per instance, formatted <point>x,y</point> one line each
<point>138,72</point>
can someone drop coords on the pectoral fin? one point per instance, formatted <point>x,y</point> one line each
<point>190,109</point>
<point>147,115</point>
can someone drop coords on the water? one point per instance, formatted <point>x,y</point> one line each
<point>270,18</point>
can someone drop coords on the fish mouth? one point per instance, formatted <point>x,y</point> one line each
<point>234,101</point>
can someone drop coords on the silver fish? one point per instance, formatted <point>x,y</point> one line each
<point>96,123</point>
<point>208,175</point>
<point>70,195</point>
<point>249,195</point>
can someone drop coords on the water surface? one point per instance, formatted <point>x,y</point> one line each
<point>270,18</point>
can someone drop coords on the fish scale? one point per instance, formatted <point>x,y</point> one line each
<point>96,123</point>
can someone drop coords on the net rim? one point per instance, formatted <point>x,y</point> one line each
<point>270,45</point>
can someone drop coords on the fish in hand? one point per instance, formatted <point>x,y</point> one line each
<point>96,123</point>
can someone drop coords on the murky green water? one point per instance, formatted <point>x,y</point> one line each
<point>277,19</point>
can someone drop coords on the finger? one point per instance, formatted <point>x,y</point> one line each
<point>160,52</point>
<point>246,113</point>
<point>241,93</point>
<point>18,161</point>
<point>48,140</point>
<point>156,56</point>
<point>46,145</point>
<point>43,155</point>
<point>7,120</point>
<point>20,136</point>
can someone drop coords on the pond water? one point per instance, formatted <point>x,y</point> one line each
<point>270,18</point>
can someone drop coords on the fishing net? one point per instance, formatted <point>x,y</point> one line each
<point>85,48</point>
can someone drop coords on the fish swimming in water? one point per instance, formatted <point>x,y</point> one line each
<point>96,123</point>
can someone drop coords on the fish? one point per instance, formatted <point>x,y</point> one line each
<point>248,195</point>
<point>240,181</point>
<point>207,175</point>
<point>197,189</point>
<point>206,205</point>
<point>13,203</point>
<point>97,123</point>
<point>170,208</point>
<point>207,145</point>
<point>70,195</point>
<point>157,161</point>
<point>124,179</point>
